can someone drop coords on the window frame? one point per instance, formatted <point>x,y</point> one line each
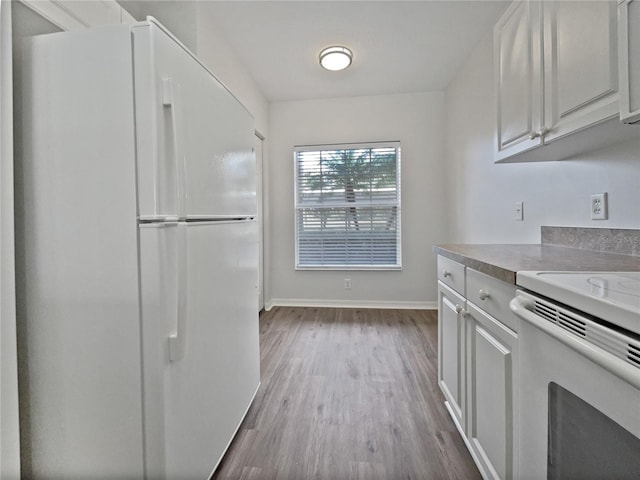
<point>398,204</point>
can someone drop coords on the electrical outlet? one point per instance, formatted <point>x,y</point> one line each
<point>599,206</point>
<point>347,284</point>
<point>518,211</point>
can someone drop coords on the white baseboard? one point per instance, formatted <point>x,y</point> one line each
<point>298,302</point>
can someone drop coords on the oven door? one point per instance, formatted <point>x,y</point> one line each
<point>579,395</point>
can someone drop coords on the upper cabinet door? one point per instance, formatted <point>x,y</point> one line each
<point>518,79</point>
<point>571,46</point>
<point>629,56</point>
<point>580,65</point>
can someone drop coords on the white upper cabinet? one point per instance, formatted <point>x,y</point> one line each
<point>580,65</point>
<point>629,54</point>
<point>556,76</point>
<point>518,77</point>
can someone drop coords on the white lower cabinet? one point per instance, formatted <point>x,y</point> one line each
<point>450,352</point>
<point>492,350</point>
<point>477,368</point>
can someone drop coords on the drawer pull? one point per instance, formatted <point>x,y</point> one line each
<point>446,273</point>
<point>483,295</point>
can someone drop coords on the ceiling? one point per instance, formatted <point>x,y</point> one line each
<point>398,46</point>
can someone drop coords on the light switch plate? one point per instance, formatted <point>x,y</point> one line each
<point>518,212</point>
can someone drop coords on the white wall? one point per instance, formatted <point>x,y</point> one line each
<point>481,194</point>
<point>219,56</point>
<point>178,16</point>
<point>191,22</point>
<point>414,119</point>
<point>9,432</point>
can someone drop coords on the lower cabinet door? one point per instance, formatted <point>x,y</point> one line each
<point>492,351</point>
<point>451,351</point>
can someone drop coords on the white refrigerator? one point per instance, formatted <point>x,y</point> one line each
<point>138,317</point>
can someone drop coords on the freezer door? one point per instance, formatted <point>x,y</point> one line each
<point>199,397</point>
<point>195,139</point>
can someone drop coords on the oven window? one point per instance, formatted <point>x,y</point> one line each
<point>586,444</point>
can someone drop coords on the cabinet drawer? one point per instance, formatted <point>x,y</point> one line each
<point>451,274</point>
<point>492,296</point>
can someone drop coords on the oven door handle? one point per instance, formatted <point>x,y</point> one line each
<point>521,306</point>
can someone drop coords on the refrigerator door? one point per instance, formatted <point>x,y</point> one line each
<point>200,397</point>
<point>195,156</point>
<point>77,253</point>
<point>159,300</point>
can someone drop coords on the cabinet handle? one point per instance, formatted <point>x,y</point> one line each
<point>446,273</point>
<point>540,133</point>
<point>461,311</point>
<point>483,295</point>
<point>459,308</point>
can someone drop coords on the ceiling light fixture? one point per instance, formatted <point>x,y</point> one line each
<point>335,58</point>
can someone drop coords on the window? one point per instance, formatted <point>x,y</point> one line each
<point>347,203</point>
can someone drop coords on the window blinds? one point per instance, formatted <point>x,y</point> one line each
<point>347,202</point>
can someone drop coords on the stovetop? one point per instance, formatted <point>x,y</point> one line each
<point>611,296</point>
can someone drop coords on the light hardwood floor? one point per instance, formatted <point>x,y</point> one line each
<point>348,394</point>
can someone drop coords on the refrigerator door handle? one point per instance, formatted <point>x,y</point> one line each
<point>178,341</point>
<point>169,101</point>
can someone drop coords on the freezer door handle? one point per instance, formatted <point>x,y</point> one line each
<point>169,100</point>
<point>178,341</point>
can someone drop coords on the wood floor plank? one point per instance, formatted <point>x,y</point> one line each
<point>348,394</point>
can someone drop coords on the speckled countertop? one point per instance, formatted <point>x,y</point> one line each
<point>503,261</point>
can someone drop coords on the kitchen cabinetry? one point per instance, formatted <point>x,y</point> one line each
<point>451,337</point>
<point>580,66</point>
<point>556,75</point>
<point>491,371</point>
<point>477,364</point>
<point>450,352</point>
<point>629,55</point>
<point>518,76</point>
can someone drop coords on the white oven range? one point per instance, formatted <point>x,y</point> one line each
<point>579,383</point>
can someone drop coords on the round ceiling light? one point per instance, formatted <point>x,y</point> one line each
<point>335,58</point>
